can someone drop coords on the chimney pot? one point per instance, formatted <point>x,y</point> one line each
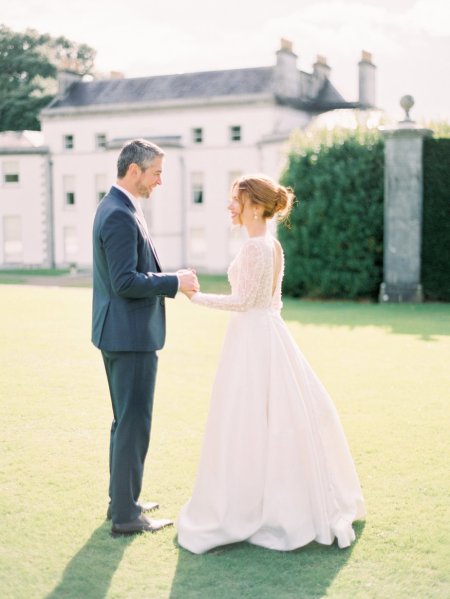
<point>286,45</point>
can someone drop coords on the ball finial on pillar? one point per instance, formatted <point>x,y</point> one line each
<point>407,102</point>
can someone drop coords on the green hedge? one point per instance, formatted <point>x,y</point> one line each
<point>334,246</point>
<point>436,220</point>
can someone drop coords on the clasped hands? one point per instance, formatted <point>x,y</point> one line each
<point>188,281</point>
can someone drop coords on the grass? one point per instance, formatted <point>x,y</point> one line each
<point>214,283</point>
<point>48,272</point>
<point>45,276</point>
<point>21,275</point>
<point>387,369</point>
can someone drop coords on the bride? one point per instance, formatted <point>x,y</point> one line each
<point>275,468</point>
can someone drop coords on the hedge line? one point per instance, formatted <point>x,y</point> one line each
<point>334,246</point>
<point>436,219</point>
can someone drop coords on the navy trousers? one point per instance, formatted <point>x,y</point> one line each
<point>131,379</point>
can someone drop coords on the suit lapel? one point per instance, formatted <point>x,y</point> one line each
<point>142,223</point>
<point>149,239</point>
<point>144,228</point>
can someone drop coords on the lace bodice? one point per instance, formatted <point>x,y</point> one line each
<point>251,278</point>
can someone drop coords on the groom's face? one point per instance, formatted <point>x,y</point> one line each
<point>149,177</point>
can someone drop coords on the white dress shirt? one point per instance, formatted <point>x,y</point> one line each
<point>136,203</point>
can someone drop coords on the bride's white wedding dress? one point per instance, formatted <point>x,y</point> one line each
<point>275,468</point>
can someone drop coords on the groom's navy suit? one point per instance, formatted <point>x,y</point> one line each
<point>128,325</point>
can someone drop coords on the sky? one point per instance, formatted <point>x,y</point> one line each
<point>409,39</point>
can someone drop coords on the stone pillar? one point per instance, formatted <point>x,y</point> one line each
<point>403,192</point>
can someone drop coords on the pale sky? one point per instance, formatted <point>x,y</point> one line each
<point>409,39</point>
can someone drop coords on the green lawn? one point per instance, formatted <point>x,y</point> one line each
<point>45,276</point>
<point>387,368</point>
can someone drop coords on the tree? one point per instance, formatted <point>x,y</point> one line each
<point>65,54</point>
<point>29,63</point>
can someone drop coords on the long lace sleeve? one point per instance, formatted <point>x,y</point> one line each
<point>245,293</point>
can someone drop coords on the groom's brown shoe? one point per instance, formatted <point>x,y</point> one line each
<point>150,506</point>
<point>141,524</point>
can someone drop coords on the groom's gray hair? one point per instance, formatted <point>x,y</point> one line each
<point>139,151</point>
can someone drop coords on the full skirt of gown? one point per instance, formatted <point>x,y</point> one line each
<point>275,468</point>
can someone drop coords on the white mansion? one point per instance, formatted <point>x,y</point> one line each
<point>213,126</point>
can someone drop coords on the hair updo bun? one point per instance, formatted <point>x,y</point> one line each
<point>265,192</point>
<point>284,200</point>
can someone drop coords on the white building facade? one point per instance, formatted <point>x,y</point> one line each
<point>212,126</point>
<point>25,209</point>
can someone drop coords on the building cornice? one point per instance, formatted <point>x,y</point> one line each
<point>133,107</point>
<point>172,141</point>
<point>315,105</point>
<point>14,151</point>
<point>273,138</point>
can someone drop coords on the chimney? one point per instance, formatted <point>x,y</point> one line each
<point>321,72</point>
<point>366,70</point>
<point>320,68</point>
<point>65,79</point>
<point>287,76</point>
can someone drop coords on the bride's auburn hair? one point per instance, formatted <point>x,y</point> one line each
<point>264,191</point>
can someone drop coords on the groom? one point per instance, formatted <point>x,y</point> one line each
<point>128,325</point>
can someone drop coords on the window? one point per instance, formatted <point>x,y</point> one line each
<point>12,239</point>
<point>10,172</point>
<point>235,133</point>
<point>100,141</point>
<point>68,142</point>
<point>197,135</point>
<point>69,190</point>
<point>70,244</point>
<point>197,188</point>
<point>100,187</point>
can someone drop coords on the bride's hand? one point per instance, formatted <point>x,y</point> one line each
<point>189,294</point>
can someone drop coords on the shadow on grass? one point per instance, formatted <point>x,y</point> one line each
<point>422,320</point>
<point>251,572</point>
<point>89,572</point>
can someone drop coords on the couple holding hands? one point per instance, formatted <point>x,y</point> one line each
<point>275,468</point>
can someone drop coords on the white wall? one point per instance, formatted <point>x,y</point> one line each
<point>84,168</point>
<point>185,234</point>
<point>27,201</point>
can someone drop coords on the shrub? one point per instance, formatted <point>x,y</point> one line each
<point>436,219</point>
<point>334,245</point>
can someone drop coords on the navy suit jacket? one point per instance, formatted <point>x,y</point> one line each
<point>128,286</point>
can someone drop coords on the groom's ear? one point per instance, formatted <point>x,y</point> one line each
<point>133,170</point>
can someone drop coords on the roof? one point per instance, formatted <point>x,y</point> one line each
<point>167,87</point>
<point>328,98</point>
<point>233,83</point>
<point>22,142</point>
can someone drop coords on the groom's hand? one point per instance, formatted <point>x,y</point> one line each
<point>188,282</point>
